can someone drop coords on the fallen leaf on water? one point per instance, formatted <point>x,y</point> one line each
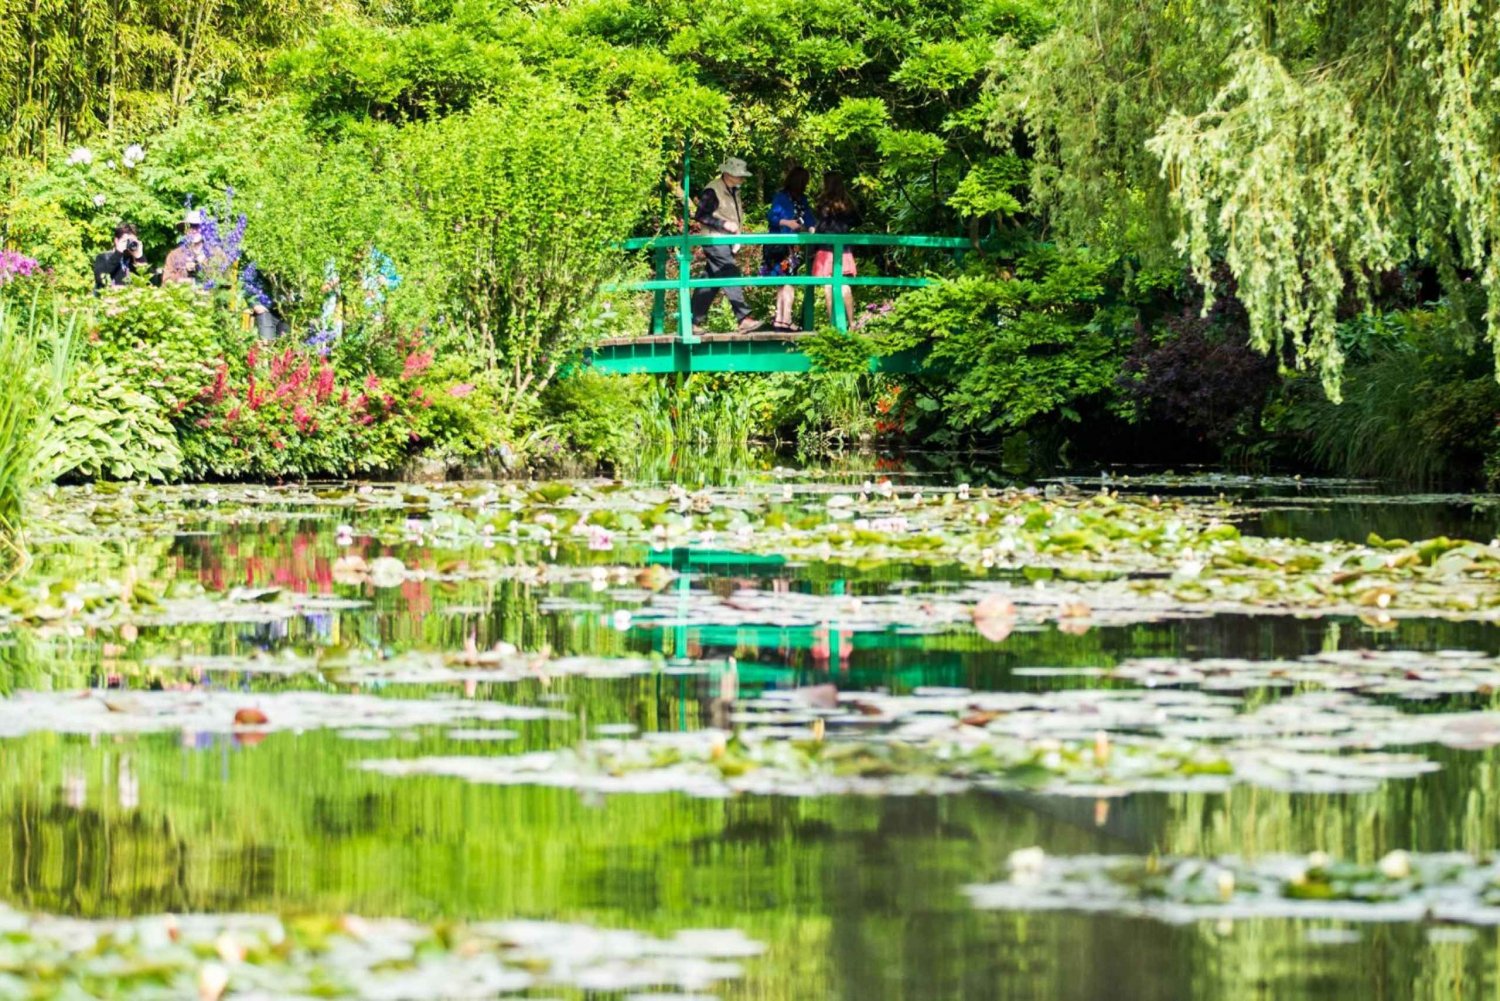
<point>250,717</point>
<point>654,577</point>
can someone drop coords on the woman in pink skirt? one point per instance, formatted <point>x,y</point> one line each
<point>835,213</point>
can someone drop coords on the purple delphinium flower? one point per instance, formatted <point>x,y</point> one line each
<point>321,341</point>
<point>254,291</point>
<point>222,246</point>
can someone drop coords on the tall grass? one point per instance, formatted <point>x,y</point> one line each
<point>697,428</point>
<point>35,353</point>
<point>1419,407</point>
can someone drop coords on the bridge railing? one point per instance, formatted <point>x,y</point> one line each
<point>665,247</point>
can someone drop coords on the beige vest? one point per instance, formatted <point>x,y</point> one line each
<point>729,204</point>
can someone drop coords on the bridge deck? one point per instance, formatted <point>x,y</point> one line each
<point>656,354</point>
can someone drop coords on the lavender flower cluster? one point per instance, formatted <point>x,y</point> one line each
<point>14,264</point>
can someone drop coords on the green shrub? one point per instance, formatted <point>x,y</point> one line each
<point>598,416</point>
<point>462,418</point>
<point>525,203</point>
<point>164,342</point>
<point>1419,404</point>
<point>105,428</point>
<point>1011,349</point>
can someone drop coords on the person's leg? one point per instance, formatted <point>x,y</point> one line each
<point>822,267</point>
<point>846,268</point>
<point>719,263</point>
<point>702,299</point>
<point>786,298</point>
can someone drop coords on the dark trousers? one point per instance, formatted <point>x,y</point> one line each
<point>721,264</point>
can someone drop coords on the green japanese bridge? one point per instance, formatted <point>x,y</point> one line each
<point>662,351</point>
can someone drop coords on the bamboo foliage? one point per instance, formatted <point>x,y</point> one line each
<point>73,68</point>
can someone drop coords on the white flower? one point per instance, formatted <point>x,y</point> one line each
<point>1395,865</point>
<point>80,155</point>
<point>109,164</point>
<point>134,154</point>
<point>99,201</point>
<point>1026,865</point>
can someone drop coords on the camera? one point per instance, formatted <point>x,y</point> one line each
<point>133,246</point>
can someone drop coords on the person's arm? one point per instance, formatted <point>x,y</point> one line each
<point>708,204</point>
<point>781,211</point>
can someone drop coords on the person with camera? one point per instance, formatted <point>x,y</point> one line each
<point>187,258</point>
<point>114,267</point>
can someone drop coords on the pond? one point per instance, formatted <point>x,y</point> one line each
<point>846,734</point>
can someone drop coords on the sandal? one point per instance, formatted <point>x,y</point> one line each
<point>784,328</point>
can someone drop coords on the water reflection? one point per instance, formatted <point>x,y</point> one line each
<point>857,898</point>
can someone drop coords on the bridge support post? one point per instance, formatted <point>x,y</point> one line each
<point>836,288</point>
<point>659,297</point>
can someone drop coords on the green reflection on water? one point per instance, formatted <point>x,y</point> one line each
<point>856,898</point>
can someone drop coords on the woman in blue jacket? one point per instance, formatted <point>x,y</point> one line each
<point>790,213</point>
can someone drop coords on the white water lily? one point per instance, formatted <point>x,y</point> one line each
<point>212,979</point>
<point>1395,865</point>
<point>1026,864</point>
<point>81,156</point>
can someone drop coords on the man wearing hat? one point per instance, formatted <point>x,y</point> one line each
<point>719,211</point>
<point>188,256</point>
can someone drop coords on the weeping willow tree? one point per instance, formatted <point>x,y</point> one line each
<point>1306,144</point>
<point>71,68</point>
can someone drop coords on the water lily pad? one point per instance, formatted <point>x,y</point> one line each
<point>1453,888</point>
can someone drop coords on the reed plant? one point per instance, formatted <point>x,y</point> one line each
<point>35,353</point>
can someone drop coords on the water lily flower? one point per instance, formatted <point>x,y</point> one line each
<point>1395,865</point>
<point>601,537</point>
<point>81,156</point>
<point>1026,864</point>
<point>212,980</point>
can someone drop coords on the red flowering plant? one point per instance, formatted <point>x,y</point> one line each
<point>288,411</point>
